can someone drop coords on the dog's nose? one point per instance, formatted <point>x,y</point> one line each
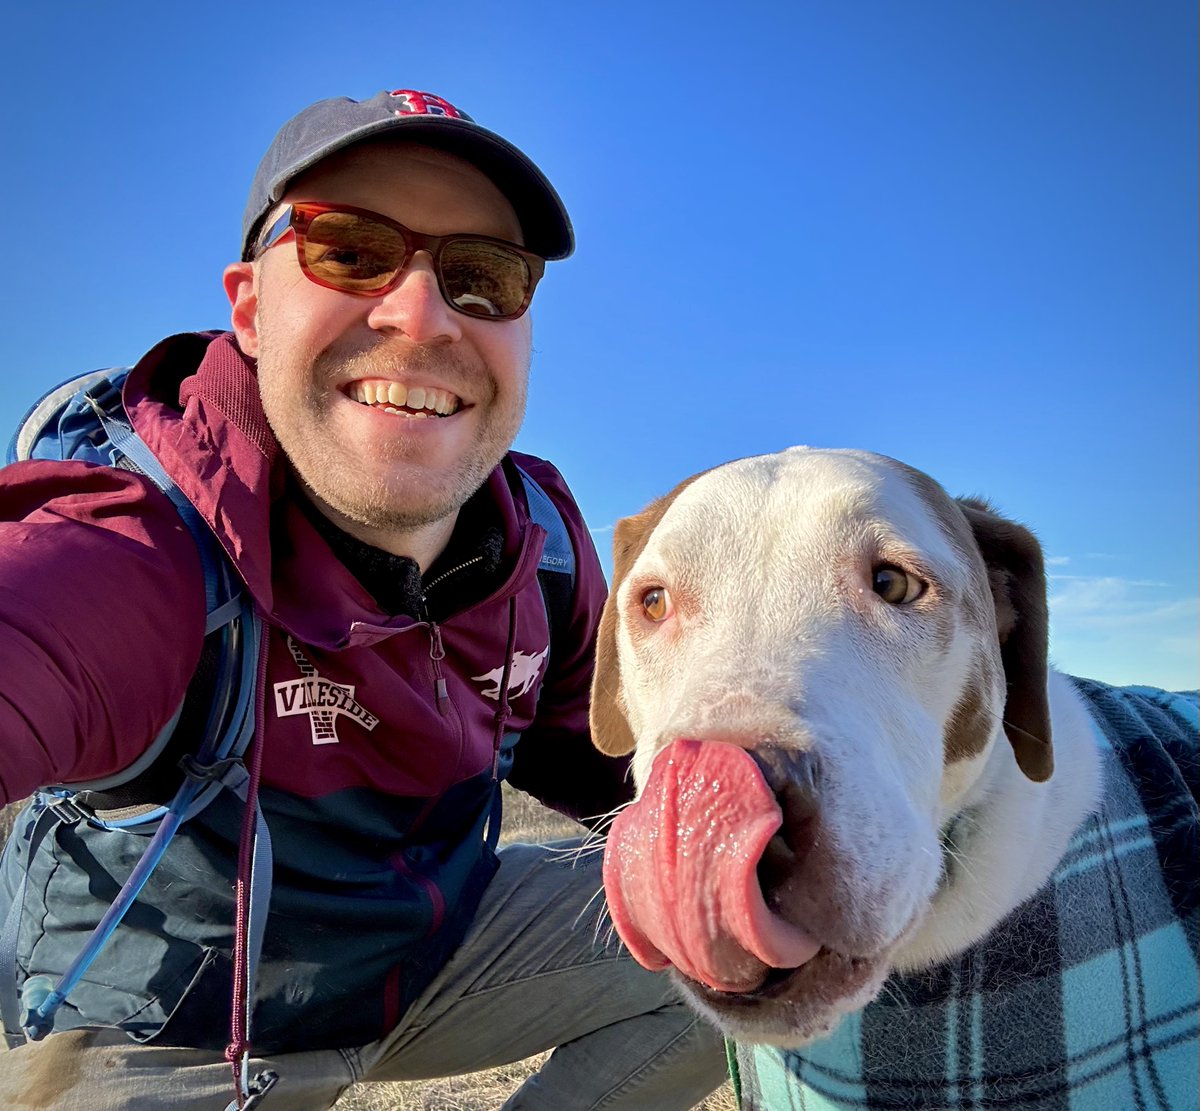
<point>794,777</point>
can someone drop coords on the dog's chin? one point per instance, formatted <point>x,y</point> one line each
<point>793,1006</point>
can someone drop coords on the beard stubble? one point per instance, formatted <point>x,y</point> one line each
<point>296,386</point>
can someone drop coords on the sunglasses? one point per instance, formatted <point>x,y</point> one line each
<point>360,252</point>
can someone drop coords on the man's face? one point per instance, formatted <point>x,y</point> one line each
<point>321,352</point>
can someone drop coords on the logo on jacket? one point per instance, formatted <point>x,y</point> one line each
<point>323,700</point>
<point>523,675</point>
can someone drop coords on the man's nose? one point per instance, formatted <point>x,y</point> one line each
<point>416,306</point>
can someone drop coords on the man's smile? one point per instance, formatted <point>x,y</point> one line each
<point>419,402</point>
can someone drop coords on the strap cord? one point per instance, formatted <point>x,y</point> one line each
<point>238,1051</point>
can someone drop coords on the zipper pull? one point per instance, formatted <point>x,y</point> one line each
<point>437,653</point>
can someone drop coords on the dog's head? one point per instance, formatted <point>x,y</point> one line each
<point>812,656</point>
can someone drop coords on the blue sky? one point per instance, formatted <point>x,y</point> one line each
<point>962,234</point>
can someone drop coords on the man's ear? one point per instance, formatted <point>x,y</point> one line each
<point>1017,577</point>
<point>610,728</point>
<point>241,288</point>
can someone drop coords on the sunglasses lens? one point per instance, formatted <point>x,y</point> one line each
<point>480,277</point>
<point>352,252</point>
<point>484,279</point>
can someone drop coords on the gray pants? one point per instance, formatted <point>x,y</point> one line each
<point>531,974</point>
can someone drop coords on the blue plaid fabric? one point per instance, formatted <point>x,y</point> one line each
<point>1084,999</point>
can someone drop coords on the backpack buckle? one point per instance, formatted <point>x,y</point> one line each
<point>230,772</point>
<point>64,809</point>
<point>256,1091</point>
<point>104,399</point>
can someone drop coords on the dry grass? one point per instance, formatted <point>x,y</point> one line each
<point>524,820</point>
<point>8,815</point>
<point>476,1091</point>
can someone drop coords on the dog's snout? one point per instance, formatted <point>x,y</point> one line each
<point>793,775</point>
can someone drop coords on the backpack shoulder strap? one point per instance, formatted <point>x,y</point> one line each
<point>556,569</point>
<point>556,578</point>
<point>558,553</point>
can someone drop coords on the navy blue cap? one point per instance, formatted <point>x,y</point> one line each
<point>331,125</point>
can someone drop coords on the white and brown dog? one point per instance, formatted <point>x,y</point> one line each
<point>833,679</point>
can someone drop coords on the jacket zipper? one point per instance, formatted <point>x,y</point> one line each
<point>446,574</point>
<point>437,651</point>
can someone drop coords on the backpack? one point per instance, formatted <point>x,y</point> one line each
<point>199,752</point>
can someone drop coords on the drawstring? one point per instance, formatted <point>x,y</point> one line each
<point>491,835</point>
<point>502,710</point>
<point>237,1053</point>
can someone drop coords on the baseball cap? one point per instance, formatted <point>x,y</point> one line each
<point>331,125</point>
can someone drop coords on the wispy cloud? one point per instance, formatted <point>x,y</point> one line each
<point>1124,630</point>
<point>1098,590</point>
<point>1108,598</point>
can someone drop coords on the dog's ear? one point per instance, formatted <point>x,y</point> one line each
<point>1017,577</point>
<point>610,728</point>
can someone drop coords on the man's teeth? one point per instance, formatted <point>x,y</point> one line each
<point>393,395</point>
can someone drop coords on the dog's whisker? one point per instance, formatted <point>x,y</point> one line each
<point>593,841</point>
<point>603,907</point>
<point>612,938</point>
<point>573,854</point>
<point>960,860</point>
<point>1008,725</point>
<point>596,838</point>
<point>604,932</point>
<point>603,821</point>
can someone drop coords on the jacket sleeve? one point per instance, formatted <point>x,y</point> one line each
<point>555,760</point>
<point>101,621</point>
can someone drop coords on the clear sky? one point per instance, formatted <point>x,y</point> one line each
<point>961,234</point>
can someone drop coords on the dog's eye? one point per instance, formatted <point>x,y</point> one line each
<point>656,603</point>
<point>896,586</point>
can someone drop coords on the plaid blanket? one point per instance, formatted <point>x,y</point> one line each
<point>1084,999</point>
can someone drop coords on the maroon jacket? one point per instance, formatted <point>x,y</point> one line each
<point>376,798</point>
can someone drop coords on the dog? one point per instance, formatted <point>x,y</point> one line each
<point>880,843</point>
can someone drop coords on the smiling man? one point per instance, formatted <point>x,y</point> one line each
<point>348,443</point>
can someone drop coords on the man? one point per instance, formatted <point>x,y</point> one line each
<point>348,442</point>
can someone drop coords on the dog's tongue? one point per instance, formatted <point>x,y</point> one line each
<point>680,870</point>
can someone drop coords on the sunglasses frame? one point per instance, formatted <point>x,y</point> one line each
<point>297,216</point>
